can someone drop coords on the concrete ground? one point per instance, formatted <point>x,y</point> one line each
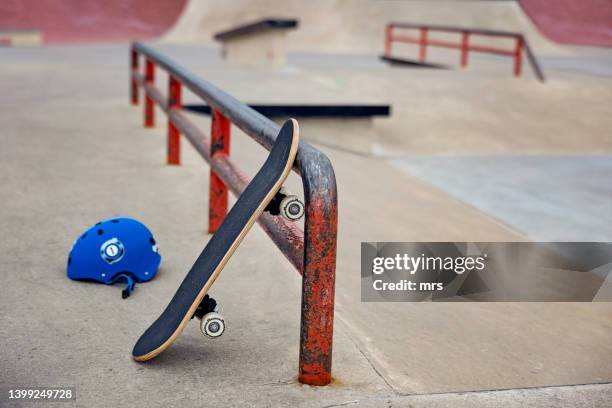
<point>74,151</point>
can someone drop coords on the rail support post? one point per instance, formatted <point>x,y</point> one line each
<point>388,39</point>
<point>518,57</point>
<point>219,144</point>
<point>423,45</point>
<point>149,112</point>
<point>174,136</point>
<point>319,273</point>
<point>133,84</point>
<point>465,45</point>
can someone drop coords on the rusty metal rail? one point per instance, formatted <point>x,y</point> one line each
<point>312,251</point>
<point>521,44</point>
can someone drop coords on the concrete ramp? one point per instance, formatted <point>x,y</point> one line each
<point>352,26</point>
<point>585,22</point>
<point>87,21</point>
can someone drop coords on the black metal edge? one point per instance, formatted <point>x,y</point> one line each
<point>411,63</point>
<point>261,25</point>
<point>323,111</point>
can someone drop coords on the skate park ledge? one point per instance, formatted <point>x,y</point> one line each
<point>342,126</point>
<point>261,42</point>
<point>20,38</point>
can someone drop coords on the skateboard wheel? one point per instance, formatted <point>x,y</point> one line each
<point>292,208</point>
<point>212,325</point>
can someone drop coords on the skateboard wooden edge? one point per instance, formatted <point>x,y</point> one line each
<point>256,214</point>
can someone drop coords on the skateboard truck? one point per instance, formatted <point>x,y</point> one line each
<point>287,205</point>
<point>211,322</point>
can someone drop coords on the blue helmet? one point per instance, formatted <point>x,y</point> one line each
<point>113,250</point>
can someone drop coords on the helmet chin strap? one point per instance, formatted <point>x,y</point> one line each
<point>129,284</point>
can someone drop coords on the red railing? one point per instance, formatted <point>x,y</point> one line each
<point>312,251</point>
<point>464,44</point>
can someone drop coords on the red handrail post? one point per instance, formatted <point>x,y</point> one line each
<point>518,57</point>
<point>318,285</point>
<point>219,144</point>
<point>465,45</point>
<point>149,112</point>
<point>174,136</point>
<point>388,39</point>
<point>133,84</point>
<point>423,44</point>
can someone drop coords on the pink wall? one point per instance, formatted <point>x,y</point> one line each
<point>581,22</point>
<point>85,21</point>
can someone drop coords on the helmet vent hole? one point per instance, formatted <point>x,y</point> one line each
<point>114,221</point>
<point>100,231</point>
<point>152,241</point>
<point>98,223</point>
<point>69,260</point>
<point>83,236</point>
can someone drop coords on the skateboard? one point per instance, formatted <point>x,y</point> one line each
<point>191,299</point>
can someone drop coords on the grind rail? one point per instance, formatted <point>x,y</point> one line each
<point>311,251</point>
<point>521,44</point>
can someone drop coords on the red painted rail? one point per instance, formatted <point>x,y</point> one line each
<point>395,32</point>
<point>312,251</point>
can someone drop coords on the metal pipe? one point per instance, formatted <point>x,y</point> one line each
<point>149,110</point>
<point>388,40</point>
<point>492,50</point>
<point>533,61</point>
<point>423,45</point>
<point>174,136</point>
<point>454,45</point>
<point>465,44</point>
<point>219,144</point>
<point>134,62</point>
<point>456,29</point>
<point>518,57</point>
<point>314,255</point>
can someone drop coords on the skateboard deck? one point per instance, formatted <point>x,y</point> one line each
<point>207,267</point>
